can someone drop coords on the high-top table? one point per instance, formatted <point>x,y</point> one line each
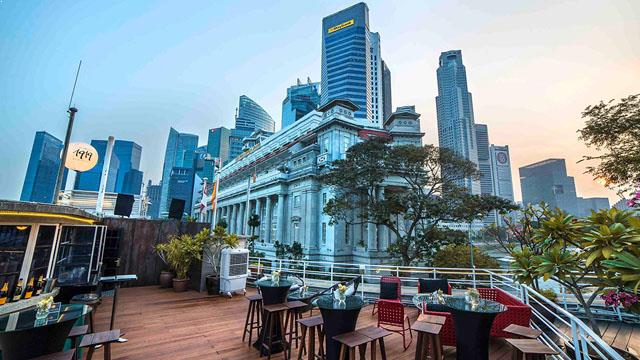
<point>338,318</point>
<point>22,336</point>
<point>272,293</point>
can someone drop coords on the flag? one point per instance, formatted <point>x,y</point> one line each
<point>213,196</point>
<point>254,176</point>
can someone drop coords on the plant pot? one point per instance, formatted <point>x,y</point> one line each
<point>213,284</point>
<point>180,285</point>
<point>165,279</point>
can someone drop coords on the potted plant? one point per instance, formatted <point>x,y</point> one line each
<point>165,275</point>
<point>213,244</point>
<point>180,252</point>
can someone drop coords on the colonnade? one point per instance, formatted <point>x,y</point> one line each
<point>270,209</point>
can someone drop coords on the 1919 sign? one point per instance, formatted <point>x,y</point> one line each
<point>81,157</point>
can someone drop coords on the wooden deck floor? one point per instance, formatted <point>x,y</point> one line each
<point>162,324</point>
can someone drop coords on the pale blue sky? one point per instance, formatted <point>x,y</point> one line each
<point>148,65</point>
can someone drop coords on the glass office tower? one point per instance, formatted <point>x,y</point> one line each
<point>42,171</point>
<point>179,153</point>
<point>124,170</point>
<point>253,117</point>
<point>454,106</point>
<point>347,60</point>
<point>484,160</point>
<point>301,99</point>
<point>547,181</point>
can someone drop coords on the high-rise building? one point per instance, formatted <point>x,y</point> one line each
<point>236,137</point>
<point>387,106</point>
<point>42,171</point>
<point>252,116</point>
<point>181,183</point>
<point>217,148</point>
<point>501,171</point>
<point>547,181</point>
<point>301,99</point>
<point>484,160</point>
<point>179,153</point>
<point>200,154</point>
<point>153,196</point>
<point>351,63</point>
<point>585,205</point>
<point>124,169</point>
<point>454,105</point>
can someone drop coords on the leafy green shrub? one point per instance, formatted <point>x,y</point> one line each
<point>459,256</point>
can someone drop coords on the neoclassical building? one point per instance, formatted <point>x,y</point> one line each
<point>281,177</point>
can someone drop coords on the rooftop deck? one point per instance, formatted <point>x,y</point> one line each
<point>162,324</point>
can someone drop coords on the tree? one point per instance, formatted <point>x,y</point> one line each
<point>421,191</point>
<point>213,243</point>
<point>458,256</point>
<point>614,129</point>
<point>253,222</point>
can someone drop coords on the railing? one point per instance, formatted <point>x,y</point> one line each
<point>580,344</point>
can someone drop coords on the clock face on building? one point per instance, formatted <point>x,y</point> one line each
<point>502,158</point>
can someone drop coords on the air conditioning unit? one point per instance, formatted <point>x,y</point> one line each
<point>234,269</point>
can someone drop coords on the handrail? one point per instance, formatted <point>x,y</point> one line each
<point>583,341</point>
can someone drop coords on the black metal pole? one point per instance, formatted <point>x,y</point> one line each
<point>56,194</point>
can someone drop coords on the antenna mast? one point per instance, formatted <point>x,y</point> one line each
<point>72,113</point>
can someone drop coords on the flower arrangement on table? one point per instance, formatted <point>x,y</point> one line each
<point>303,290</point>
<point>472,297</point>
<point>341,292</point>
<point>275,276</point>
<point>43,306</point>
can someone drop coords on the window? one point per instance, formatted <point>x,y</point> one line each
<point>324,233</point>
<point>346,234</point>
<point>324,198</point>
<point>346,143</point>
<point>296,201</point>
<point>325,145</point>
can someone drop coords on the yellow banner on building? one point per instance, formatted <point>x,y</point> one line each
<point>341,26</point>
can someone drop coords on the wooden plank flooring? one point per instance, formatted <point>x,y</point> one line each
<point>161,324</point>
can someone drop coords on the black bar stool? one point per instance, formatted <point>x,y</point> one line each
<point>294,313</point>
<point>274,314</point>
<point>254,315</point>
<point>74,334</point>
<point>312,325</point>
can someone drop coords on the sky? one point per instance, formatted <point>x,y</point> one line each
<point>532,68</point>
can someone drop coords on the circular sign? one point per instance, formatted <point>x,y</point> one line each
<point>81,157</point>
<point>502,158</point>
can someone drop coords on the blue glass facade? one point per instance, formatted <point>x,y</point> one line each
<point>217,147</point>
<point>301,99</point>
<point>181,185</point>
<point>153,195</point>
<point>124,170</point>
<point>235,141</point>
<point>179,153</point>
<point>346,59</point>
<point>42,171</point>
<point>454,106</point>
<point>253,117</point>
<point>547,181</point>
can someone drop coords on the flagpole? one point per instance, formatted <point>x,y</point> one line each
<point>214,203</point>
<point>246,207</point>
<point>203,201</point>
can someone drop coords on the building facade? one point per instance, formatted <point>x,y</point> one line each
<point>586,205</point>
<point>42,170</point>
<point>484,160</point>
<point>153,200</point>
<point>301,99</point>
<point>249,117</point>
<point>454,106</point>
<point>387,105</point>
<point>287,193</point>
<point>352,63</point>
<point>180,153</point>
<point>124,169</point>
<point>501,178</point>
<point>547,181</point>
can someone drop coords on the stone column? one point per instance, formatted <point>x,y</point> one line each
<point>372,241</point>
<point>268,220</point>
<point>280,220</point>
<point>383,231</point>
<point>231,221</point>
<point>241,217</point>
<point>310,219</point>
<point>259,213</point>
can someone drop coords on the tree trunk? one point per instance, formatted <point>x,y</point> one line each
<point>587,311</point>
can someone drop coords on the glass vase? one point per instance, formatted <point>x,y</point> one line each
<point>42,313</point>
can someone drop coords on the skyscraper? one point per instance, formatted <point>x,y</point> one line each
<point>252,116</point>
<point>153,196</point>
<point>124,169</point>
<point>301,99</point>
<point>351,63</point>
<point>249,117</point>
<point>547,181</point>
<point>178,154</point>
<point>484,161</point>
<point>501,171</point>
<point>387,106</point>
<point>454,105</point>
<point>217,148</point>
<point>181,182</point>
<point>42,171</point>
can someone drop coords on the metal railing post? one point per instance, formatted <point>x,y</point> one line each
<point>490,280</point>
<point>576,339</point>
<point>397,271</point>
<point>259,266</point>
<point>304,271</point>
<point>331,271</point>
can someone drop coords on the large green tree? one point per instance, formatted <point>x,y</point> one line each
<point>613,129</point>
<point>421,190</point>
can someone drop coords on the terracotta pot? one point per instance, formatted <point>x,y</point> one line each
<point>180,285</point>
<point>165,279</point>
<point>213,284</point>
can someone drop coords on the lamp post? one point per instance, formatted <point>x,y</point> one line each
<point>473,266</point>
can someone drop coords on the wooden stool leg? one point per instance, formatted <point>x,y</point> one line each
<point>516,354</point>
<point>383,352</point>
<point>352,353</point>
<point>91,320</point>
<point>311,355</point>
<point>295,322</point>
<point>107,351</point>
<point>321,342</point>
<point>303,348</point>
<point>285,344</point>
<point>363,351</point>
<point>419,347</point>
<point>437,347</point>
<point>90,352</point>
<point>373,350</point>
<point>246,322</point>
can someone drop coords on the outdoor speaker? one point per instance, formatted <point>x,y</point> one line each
<point>124,205</point>
<point>176,209</point>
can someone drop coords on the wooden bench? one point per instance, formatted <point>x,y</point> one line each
<point>529,349</point>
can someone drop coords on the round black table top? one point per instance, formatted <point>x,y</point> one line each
<point>279,284</point>
<point>483,306</point>
<point>328,302</point>
<point>301,296</point>
<point>26,319</point>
